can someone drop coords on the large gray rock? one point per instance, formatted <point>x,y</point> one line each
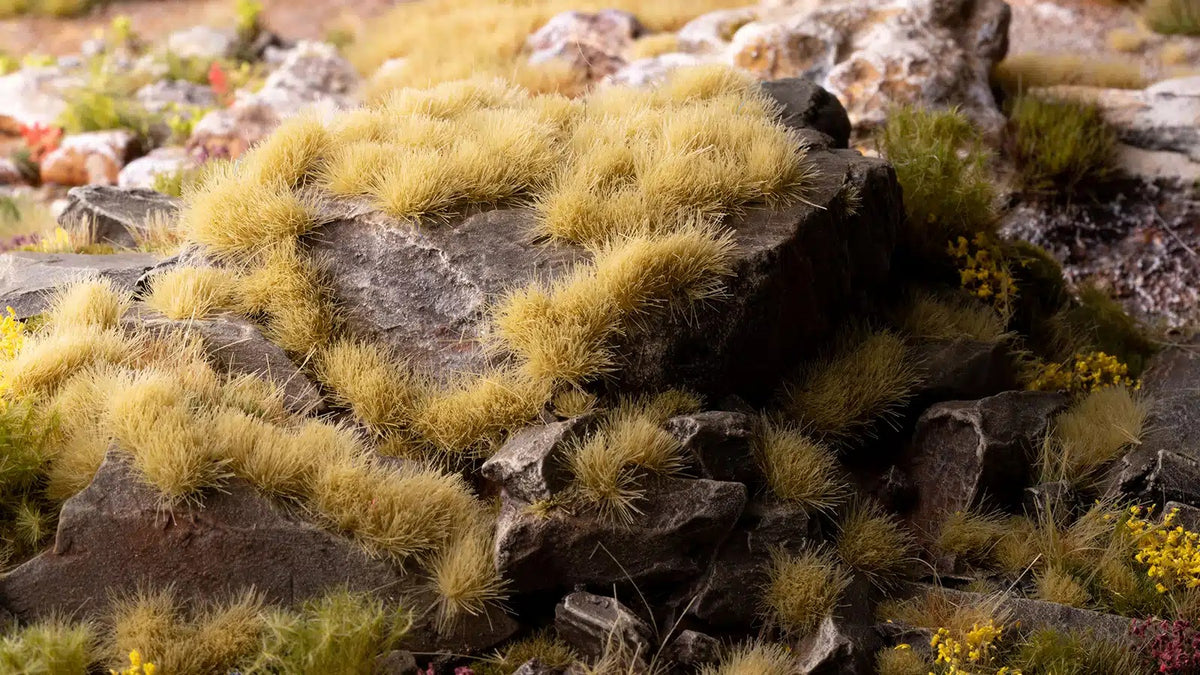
<point>808,106</point>
<point>115,536</point>
<point>594,625</point>
<point>113,215</point>
<point>1165,466</point>
<point>957,370</point>
<point>838,648</point>
<point>719,598</point>
<point>238,347</point>
<point>426,290</point>
<point>532,464</point>
<point>680,526</point>
<point>719,444</point>
<point>965,451</point>
<point>28,279</point>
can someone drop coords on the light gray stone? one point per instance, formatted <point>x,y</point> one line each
<point>532,464</point>
<point>114,215</point>
<point>28,279</point>
<point>594,624</point>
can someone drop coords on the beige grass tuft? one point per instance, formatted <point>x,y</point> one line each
<point>1092,434</point>
<point>799,470</point>
<point>875,543</point>
<point>91,303</point>
<point>464,575</point>
<point>804,588</point>
<point>383,392</point>
<point>754,659</point>
<point>47,361</point>
<point>191,292</point>
<point>291,154</point>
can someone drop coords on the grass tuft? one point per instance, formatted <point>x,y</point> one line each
<point>1020,72</point>
<point>92,303</point>
<point>1054,584</point>
<point>951,317</point>
<point>1061,145</point>
<point>875,543</point>
<point>51,646</point>
<point>846,395</point>
<point>547,648</point>
<point>755,658</point>
<point>382,391</point>
<point>971,537</point>
<point>44,363</point>
<point>1092,434</point>
<point>191,292</point>
<point>901,662</point>
<point>1071,653</point>
<point>799,470</point>
<point>465,576</point>
<point>803,589</point>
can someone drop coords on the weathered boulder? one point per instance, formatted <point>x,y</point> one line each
<point>93,158</point>
<point>719,444</point>
<point>112,215</point>
<point>965,451</point>
<point>311,75</point>
<point>592,42</point>
<point>958,370</point>
<point>426,290</point>
<point>594,624</point>
<point>838,648</point>
<point>531,465</point>
<point>673,538</point>
<point>175,94</point>
<point>142,172</point>
<point>1165,466</point>
<point>871,54</point>
<point>808,106</point>
<point>238,347</point>
<point>202,42</point>
<point>719,598</point>
<point>693,649</point>
<point>28,279</point>
<point>37,95</point>
<point>115,536</point>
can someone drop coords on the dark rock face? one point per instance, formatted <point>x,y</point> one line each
<point>720,598</point>
<point>238,347</point>
<point>1166,465</point>
<point>592,624</point>
<point>966,451</point>
<point>425,290</point>
<point>693,649</point>
<point>113,537</point>
<point>719,444</point>
<point>838,648</point>
<point>28,279</point>
<point>960,370</point>
<point>681,524</point>
<point>113,215</point>
<point>532,464</point>
<point>807,106</point>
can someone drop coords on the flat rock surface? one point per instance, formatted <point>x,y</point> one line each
<point>28,279</point>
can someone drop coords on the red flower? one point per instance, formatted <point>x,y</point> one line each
<point>218,80</point>
<point>41,139</point>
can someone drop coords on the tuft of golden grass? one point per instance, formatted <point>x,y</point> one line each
<point>875,543</point>
<point>295,151</point>
<point>464,575</point>
<point>573,402</point>
<point>54,645</point>
<point>191,292</point>
<point>901,662</point>
<point>46,361</point>
<point>803,589</point>
<point>972,536</point>
<point>1029,70</point>
<point>1092,434</point>
<point>288,288</point>
<point>90,303</point>
<point>754,658</point>
<point>655,44</point>
<point>472,417</point>
<point>426,37</point>
<point>799,470</point>
<point>1126,39</point>
<point>952,317</point>
<point>1054,584</point>
<point>383,392</point>
<point>609,463</point>
<point>847,394</point>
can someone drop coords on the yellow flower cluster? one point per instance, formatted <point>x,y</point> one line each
<point>1170,552</point>
<point>983,271</point>
<point>1091,370</point>
<point>12,334</point>
<point>136,666</point>
<point>977,649</point>
<point>60,242</point>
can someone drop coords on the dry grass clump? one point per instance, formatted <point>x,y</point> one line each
<point>547,648</point>
<point>943,167</point>
<point>91,303</point>
<point>803,589</point>
<point>47,360</point>
<point>472,416</point>
<point>875,543</point>
<point>294,152</point>
<point>50,646</point>
<point>1092,434</point>
<point>971,537</point>
<point>847,394</point>
<point>901,662</point>
<point>1061,145</point>
<point>649,46</point>
<point>1057,585</point>
<point>573,402</point>
<point>1126,39</point>
<point>1076,653</point>
<point>465,576</point>
<point>799,470</point>
<point>191,292</point>
<point>383,392</point>
<point>340,632</point>
<point>1019,72</point>
<point>288,290</point>
<point>952,317</point>
<point>934,610</point>
<point>214,638</point>
<point>426,36</point>
<point>608,465</point>
<point>1172,17</point>
<point>755,658</point>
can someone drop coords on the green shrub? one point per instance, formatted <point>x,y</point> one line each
<point>1173,17</point>
<point>97,110</point>
<point>1054,652</point>
<point>942,166</point>
<point>50,647</point>
<point>1061,145</point>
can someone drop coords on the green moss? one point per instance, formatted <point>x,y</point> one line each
<point>942,165</point>
<point>1173,17</point>
<point>1061,145</point>
<point>544,646</point>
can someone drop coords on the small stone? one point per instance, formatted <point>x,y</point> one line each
<point>93,158</point>
<point>113,215</point>
<point>143,171</point>
<point>838,648</point>
<point>693,649</point>
<point>719,444</point>
<point>594,624</point>
<point>808,106</point>
<point>532,464</point>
